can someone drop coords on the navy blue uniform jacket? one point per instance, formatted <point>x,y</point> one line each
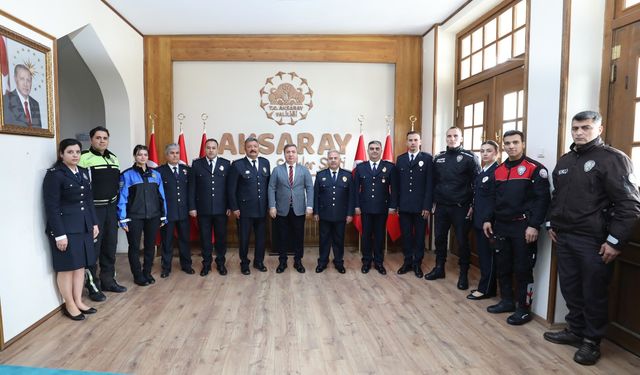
<point>176,191</point>
<point>375,193</point>
<point>415,182</point>
<point>248,187</point>
<point>482,205</point>
<point>333,201</point>
<point>208,190</point>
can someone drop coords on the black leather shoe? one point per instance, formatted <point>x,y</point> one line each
<point>436,273</point>
<point>165,274</point>
<point>205,271</point>
<point>188,271</point>
<point>115,288</point>
<point>281,267</point>
<point>299,267</point>
<point>564,337</point>
<point>319,269</point>
<point>96,295</point>
<point>78,317</point>
<point>366,268</point>
<point>341,269</point>
<point>588,354</point>
<point>476,296</point>
<point>149,278</point>
<point>404,269</point>
<point>463,281</point>
<point>260,267</point>
<point>222,270</point>
<point>502,307</point>
<point>381,269</point>
<point>141,281</point>
<point>520,317</point>
<point>245,270</point>
<point>90,310</point>
<point>418,271</point>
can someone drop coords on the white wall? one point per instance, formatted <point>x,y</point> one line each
<point>27,281</point>
<point>428,90</point>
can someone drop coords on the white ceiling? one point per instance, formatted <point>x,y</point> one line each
<point>400,17</point>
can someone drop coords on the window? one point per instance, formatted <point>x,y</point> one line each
<point>498,40</point>
<point>473,126</point>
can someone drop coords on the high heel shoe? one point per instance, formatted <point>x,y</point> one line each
<point>78,317</point>
<point>90,310</point>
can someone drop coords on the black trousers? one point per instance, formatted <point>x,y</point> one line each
<point>373,235</point>
<point>245,225</point>
<point>584,281</point>
<point>413,227</point>
<point>290,227</point>
<point>515,258</point>
<point>487,283</point>
<point>105,248</point>
<point>183,229</point>
<point>445,217</point>
<point>217,224</point>
<point>331,236</point>
<point>150,229</point>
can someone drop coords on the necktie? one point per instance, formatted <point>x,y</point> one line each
<point>78,177</point>
<point>290,175</point>
<point>334,176</point>
<point>210,166</point>
<point>374,168</point>
<point>175,172</point>
<point>254,165</point>
<point>27,115</point>
<point>411,159</point>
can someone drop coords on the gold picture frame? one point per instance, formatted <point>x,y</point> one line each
<point>26,72</point>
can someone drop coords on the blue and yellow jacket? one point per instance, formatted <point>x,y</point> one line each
<point>141,195</point>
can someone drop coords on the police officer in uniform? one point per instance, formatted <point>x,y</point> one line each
<point>175,181</point>
<point>454,171</point>
<point>104,172</point>
<point>375,197</point>
<point>333,208</point>
<point>415,191</point>
<point>519,197</point>
<point>594,207</point>
<point>247,185</point>
<point>208,201</point>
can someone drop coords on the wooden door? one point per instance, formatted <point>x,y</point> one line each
<point>623,132</point>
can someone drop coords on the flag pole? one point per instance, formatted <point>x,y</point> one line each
<point>388,119</point>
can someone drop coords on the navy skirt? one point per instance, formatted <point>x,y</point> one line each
<point>80,252</point>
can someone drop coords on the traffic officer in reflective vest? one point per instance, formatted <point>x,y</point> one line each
<point>594,207</point>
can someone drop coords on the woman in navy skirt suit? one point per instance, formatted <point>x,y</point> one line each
<point>71,225</point>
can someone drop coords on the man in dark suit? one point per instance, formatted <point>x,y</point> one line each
<point>333,207</point>
<point>208,201</point>
<point>375,197</point>
<point>290,198</point>
<point>247,186</point>
<point>415,194</point>
<point>19,107</point>
<point>175,181</point>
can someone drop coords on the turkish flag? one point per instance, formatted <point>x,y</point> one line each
<point>153,151</point>
<point>4,65</point>
<point>183,149</point>
<point>203,144</point>
<point>393,221</point>
<point>361,155</point>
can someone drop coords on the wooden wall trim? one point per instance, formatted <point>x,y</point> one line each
<point>1,331</point>
<point>460,8</point>
<point>105,2</point>
<point>435,94</point>
<point>4,345</point>
<point>606,62</point>
<point>403,51</point>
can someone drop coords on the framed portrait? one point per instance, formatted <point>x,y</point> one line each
<point>27,87</point>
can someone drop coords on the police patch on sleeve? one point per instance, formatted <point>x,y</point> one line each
<point>543,173</point>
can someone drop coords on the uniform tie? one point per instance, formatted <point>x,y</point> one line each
<point>27,115</point>
<point>210,166</point>
<point>254,165</point>
<point>374,168</point>
<point>175,172</point>
<point>411,159</point>
<point>334,177</point>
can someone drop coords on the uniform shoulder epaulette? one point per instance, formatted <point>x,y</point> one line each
<point>613,150</point>
<point>53,169</point>
<point>442,152</point>
<point>467,153</point>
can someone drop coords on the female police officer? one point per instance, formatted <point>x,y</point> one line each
<point>71,225</point>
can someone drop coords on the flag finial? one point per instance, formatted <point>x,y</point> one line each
<point>413,120</point>
<point>361,121</point>
<point>204,118</point>
<point>153,117</point>
<point>181,118</point>
<point>389,120</point>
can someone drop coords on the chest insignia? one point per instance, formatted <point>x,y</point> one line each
<point>222,167</point>
<point>459,158</point>
<point>344,178</point>
<point>324,179</point>
<point>247,172</point>
<point>421,163</point>
<point>384,169</point>
<point>521,170</point>
<point>264,169</point>
<point>589,165</point>
<point>485,179</point>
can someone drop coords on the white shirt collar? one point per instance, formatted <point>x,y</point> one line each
<point>174,165</point>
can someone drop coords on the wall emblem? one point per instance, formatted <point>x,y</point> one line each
<point>286,98</point>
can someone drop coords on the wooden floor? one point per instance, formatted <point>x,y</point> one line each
<point>269,323</point>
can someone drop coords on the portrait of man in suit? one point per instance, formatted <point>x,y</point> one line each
<point>19,108</point>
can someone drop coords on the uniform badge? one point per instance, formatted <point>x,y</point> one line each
<point>521,170</point>
<point>589,165</point>
<point>247,172</point>
<point>264,169</point>
<point>459,158</point>
<point>485,179</point>
<point>384,169</point>
<point>344,178</point>
<point>84,175</point>
<point>184,171</point>
<point>563,171</point>
<point>441,160</point>
<point>421,163</point>
<point>324,179</point>
<point>222,167</point>
<point>543,173</point>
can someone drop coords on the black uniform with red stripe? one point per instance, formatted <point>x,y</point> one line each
<point>520,198</point>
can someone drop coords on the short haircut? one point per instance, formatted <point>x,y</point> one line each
<point>21,67</point>
<point>250,139</point>
<point>138,148</point>
<point>413,132</point>
<point>93,131</point>
<point>171,146</point>
<point>510,133</point>
<point>588,115</point>
<point>288,146</point>
<point>456,128</point>
<point>374,142</point>
<point>332,152</point>
<point>491,143</point>
<point>212,140</point>
<point>65,143</point>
